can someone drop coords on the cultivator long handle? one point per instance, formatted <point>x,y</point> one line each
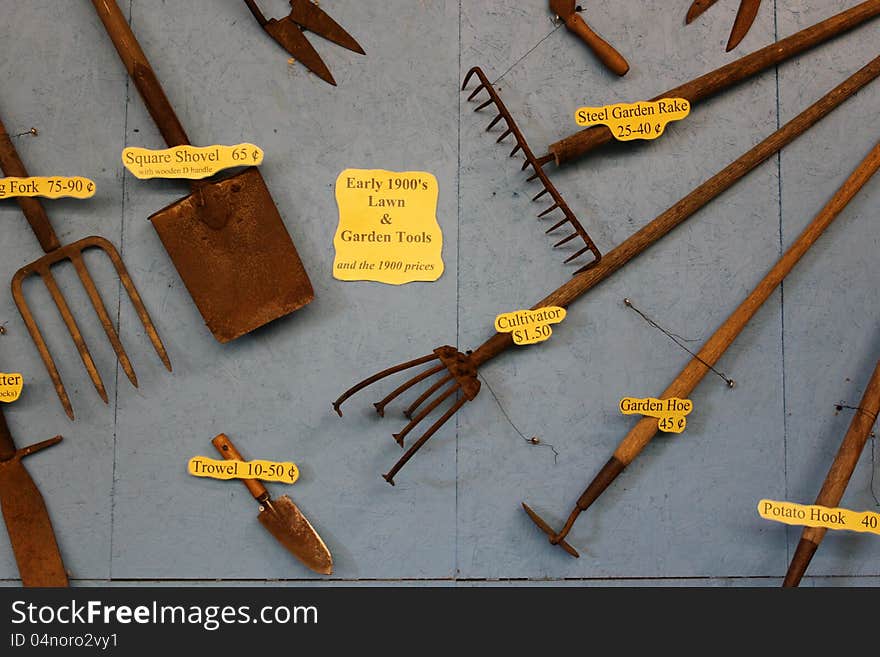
<point>729,75</point>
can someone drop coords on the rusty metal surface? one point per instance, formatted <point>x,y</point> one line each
<point>282,519</point>
<point>234,254</point>
<point>288,32</point>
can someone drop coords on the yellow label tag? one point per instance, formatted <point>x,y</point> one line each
<point>530,326</point>
<point>47,186</point>
<point>643,120</point>
<point>202,466</point>
<point>388,230</point>
<point>814,515</point>
<point>10,387</point>
<point>192,162</point>
<point>672,412</point>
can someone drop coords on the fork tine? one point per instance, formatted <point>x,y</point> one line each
<point>134,296</point>
<point>430,391</point>
<point>406,385</point>
<point>377,377</point>
<point>425,412</point>
<point>98,304</point>
<point>389,477</point>
<point>73,328</point>
<point>42,347</point>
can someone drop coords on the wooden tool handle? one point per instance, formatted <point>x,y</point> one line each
<point>606,53</point>
<point>227,449</point>
<point>141,72</point>
<point>711,83</point>
<point>33,210</point>
<point>7,446</point>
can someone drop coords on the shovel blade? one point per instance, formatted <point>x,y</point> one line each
<point>287,524</point>
<point>234,254</point>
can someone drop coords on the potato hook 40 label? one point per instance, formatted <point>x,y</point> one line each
<point>48,187</point>
<point>202,466</point>
<point>10,387</point>
<point>671,413</point>
<point>815,515</point>
<point>192,162</point>
<point>643,120</point>
<point>530,326</point>
<point>388,230</point>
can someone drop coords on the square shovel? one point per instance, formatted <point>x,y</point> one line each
<point>226,239</point>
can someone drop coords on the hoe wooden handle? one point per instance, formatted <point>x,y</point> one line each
<point>606,53</point>
<point>227,449</point>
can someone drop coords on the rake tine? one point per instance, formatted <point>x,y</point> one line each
<point>101,310</point>
<point>548,210</point>
<point>515,149</point>
<point>389,477</point>
<point>533,176</point>
<point>577,255</point>
<point>72,327</point>
<point>476,91</point>
<point>467,78</point>
<point>564,240</point>
<point>494,122</point>
<point>504,135</point>
<point>539,195</point>
<point>555,226</point>
<point>484,105</point>
<point>42,347</point>
<point>377,377</point>
<point>380,406</point>
<point>525,165</point>
<point>425,412</point>
<point>134,296</point>
<point>430,391</point>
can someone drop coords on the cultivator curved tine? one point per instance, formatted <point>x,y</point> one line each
<point>460,370</point>
<point>537,164</point>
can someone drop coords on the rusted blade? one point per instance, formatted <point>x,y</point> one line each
<point>316,20</point>
<point>30,530</point>
<point>287,524</point>
<point>563,8</point>
<point>234,254</point>
<point>547,529</point>
<point>748,9</point>
<point>288,34</point>
<point>697,8</point>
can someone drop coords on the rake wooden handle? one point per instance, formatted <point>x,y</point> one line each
<point>838,476</point>
<point>711,83</point>
<point>227,449</point>
<point>578,285</point>
<point>33,210</point>
<point>606,53</point>
<point>141,72</point>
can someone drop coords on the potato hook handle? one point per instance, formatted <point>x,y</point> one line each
<point>141,72</point>
<point>606,53</point>
<point>33,210</point>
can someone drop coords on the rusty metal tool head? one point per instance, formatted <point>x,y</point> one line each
<point>688,379</point>
<point>838,477</point>
<point>458,371</point>
<point>73,253</point>
<point>748,10</point>
<point>282,518</point>
<point>579,234</point>
<point>226,239</point>
<point>27,519</point>
<point>568,12</point>
<point>288,32</point>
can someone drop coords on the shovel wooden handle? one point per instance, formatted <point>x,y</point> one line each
<point>606,53</point>
<point>141,72</point>
<point>227,449</point>
<point>33,210</point>
<point>711,83</point>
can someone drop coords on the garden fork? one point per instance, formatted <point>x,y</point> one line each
<point>56,253</point>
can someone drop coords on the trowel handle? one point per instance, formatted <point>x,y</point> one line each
<point>606,53</point>
<point>32,208</point>
<point>227,449</point>
<point>141,72</point>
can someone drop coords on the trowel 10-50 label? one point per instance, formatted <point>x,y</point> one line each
<point>815,515</point>
<point>388,230</point>
<point>10,387</point>
<point>643,120</point>
<point>192,162</point>
<point>47,187</point>
<point>202,466</point>
<point>671,413</point>
<point>530,326</point>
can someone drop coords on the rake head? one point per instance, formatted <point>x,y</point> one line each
<point>537,164</point>
<point>455,373</point>
<point>43,269</point>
